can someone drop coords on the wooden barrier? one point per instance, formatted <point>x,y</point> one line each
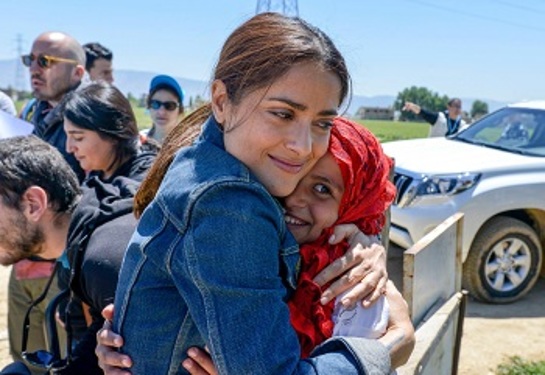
<point>432,274</point>
<point>438,340</point>
<point>432,268</point>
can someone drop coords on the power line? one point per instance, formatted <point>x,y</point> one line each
<point>520,7</point>
<point>478,16</point>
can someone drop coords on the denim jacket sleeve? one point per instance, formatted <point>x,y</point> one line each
<point>236,295</point>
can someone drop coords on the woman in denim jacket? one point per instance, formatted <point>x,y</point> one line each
<point>211,262</point>
<point>348,185</point>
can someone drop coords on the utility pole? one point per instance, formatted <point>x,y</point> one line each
<point>287,7</point>
<point>19,71</point>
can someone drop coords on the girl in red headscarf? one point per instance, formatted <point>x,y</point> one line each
<point>348,185</point>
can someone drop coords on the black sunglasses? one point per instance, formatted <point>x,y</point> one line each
<point>44,61</point>
<point>169,106</point>
<point>48,359</point>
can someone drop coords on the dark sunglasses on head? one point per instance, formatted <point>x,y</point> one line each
<point>44,61</point>
<point>48,359</point>
<point>169,106</point>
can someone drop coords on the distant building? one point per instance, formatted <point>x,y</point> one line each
<point>375,113</point>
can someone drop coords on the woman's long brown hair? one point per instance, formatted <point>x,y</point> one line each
<point>254,56</point>
<point>181,136</point>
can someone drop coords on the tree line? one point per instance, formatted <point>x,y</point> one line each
<point>431,101</point>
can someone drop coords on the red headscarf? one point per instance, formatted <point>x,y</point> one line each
<point>367,195</point>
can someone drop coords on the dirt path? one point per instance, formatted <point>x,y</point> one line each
<point>491,333</point>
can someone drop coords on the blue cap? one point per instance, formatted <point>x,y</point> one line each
<point>164,80</point>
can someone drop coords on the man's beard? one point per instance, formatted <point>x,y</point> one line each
<point>20,240</point>
<point>52,89</point>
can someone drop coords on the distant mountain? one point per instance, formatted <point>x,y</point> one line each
<point>8,74</point>
<point>137,83</point>
<point>358,101</point>
<point>492,104</point>
<point>128,81</point>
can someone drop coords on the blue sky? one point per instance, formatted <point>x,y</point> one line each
<point>485,49</point>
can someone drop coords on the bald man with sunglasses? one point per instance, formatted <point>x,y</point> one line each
<point>56,65</point>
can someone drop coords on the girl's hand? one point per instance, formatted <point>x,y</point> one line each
<point>363,267</point>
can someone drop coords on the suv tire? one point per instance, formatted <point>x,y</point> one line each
<point>503,262</point>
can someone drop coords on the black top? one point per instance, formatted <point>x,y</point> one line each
<point>431,117</point>
<point>99,232</point>
<point>428,116</point>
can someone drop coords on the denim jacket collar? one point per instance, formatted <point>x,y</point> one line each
<point>212,132</point>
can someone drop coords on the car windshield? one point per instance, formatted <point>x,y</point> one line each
<point>517,130</point>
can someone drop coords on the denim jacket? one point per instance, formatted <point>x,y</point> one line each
<point>211,263</point>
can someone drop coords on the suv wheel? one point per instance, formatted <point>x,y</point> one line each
<point>503,262</point>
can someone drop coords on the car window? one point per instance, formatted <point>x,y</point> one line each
<point>517,130</point>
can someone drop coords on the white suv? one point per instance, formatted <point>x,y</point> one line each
<point>493,172</point>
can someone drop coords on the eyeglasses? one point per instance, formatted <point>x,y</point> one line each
<point>169,106</point>
<point>44,61</point>
<point>43,358</point>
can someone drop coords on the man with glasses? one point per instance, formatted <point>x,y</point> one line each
<point>444,123</point>
<point>56,66</point>
<point>43,211</point>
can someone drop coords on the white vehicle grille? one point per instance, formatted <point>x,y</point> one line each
<point>402,183</point>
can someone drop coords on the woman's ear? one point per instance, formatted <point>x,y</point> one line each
<point>219,100</point>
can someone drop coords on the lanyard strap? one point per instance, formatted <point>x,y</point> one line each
<point>452,125</point>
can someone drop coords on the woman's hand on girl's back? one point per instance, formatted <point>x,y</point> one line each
<point>109,360</point>
<point>362,268</point>
<point>199,362</point>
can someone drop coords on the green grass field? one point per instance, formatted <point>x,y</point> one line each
<point>142,117</point>
<point>395,130</point>
<point>19,105</point>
